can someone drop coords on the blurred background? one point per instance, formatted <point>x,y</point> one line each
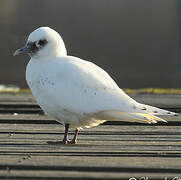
<point>136,41</point>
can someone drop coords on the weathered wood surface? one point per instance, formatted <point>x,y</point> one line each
<point>110,151</point>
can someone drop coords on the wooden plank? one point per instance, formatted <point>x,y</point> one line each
<point>77,175</point>
<point>161,100</point>
<point>25,108</point>
<point>100,130</point>
<point>90,161</point>
<point>118,167</point>
<point>50,136</point>
<point>42,119</point>
<point>33,166</point>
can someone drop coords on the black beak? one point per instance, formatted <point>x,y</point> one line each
<point>23,50</point>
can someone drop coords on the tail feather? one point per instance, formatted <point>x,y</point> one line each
<point>126,116</point>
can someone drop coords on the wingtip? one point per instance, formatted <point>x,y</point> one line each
<point>164,121</point>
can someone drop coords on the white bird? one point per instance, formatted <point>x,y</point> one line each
<point>77,93</point>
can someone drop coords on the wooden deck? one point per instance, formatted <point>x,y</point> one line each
<point>110,151</point>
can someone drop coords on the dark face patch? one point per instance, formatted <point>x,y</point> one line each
<point>34,47</point>
<point>42,42</point>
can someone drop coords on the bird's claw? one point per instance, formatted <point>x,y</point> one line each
<point>66,141</point>
<point>69,142</point>
<point>73,141</point>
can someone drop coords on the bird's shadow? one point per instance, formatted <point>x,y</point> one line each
<point>59,143</point>
<point>69,144</point>
<point>55,142</point>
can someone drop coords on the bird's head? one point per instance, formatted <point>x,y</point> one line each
<point>43,42</point>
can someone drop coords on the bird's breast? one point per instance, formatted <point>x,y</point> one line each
<point>40,82</point>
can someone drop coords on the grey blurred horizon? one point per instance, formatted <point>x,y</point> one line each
<point>136,41</point>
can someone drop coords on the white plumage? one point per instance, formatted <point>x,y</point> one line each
<point>77,92</point>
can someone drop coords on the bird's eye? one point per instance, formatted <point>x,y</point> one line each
<point>41,42</point>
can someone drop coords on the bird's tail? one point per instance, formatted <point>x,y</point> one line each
<point>156,111</point>
<point>125,116</point>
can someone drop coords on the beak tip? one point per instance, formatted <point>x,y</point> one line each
<point>16,52</point>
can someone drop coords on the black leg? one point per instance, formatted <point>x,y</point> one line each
<point>74,140</point>
<point>65,139</point>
